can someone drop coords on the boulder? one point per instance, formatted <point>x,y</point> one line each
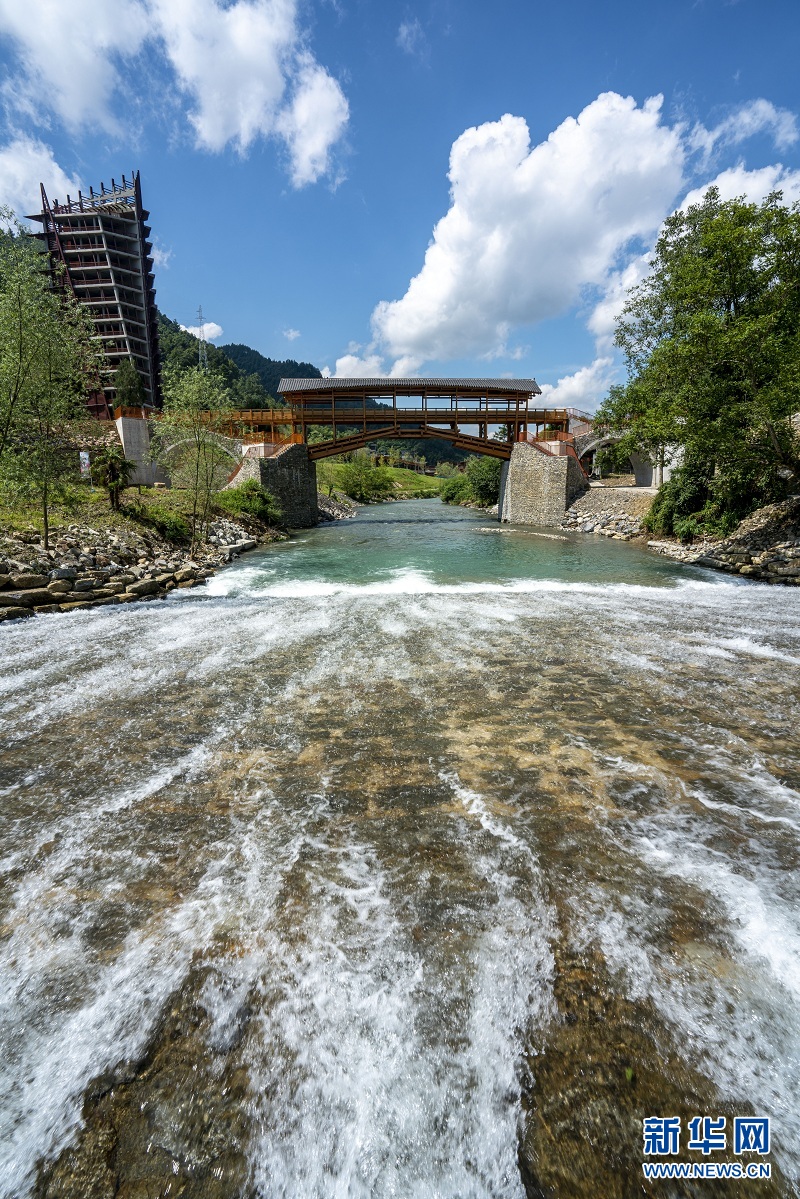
<point>37,595</point>
<point>15,613</point>
<point>26,582</point>
<point>59,586</point>
<point>143,587</point>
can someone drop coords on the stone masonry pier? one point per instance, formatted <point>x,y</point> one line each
<point>537,487</point>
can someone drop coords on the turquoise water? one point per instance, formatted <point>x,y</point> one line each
<point>406,544</point>
<point>407,859</point>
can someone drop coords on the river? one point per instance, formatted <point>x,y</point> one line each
<point>412,857</point>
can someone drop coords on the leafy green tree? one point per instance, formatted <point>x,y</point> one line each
<point>128,386</point>
<point>48,362</point>
<point>712,340</point>
<point>251,499</point>
<point>326,476</point>
<point>457,490</point>
<point>483,475</point>
<point>362,481</point>
<point>191,443</point>
<point>112,470</point>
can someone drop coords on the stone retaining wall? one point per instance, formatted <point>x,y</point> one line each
<point>292,478</point>
<point>537,488</point>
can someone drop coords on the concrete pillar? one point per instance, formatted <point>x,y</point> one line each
<point>134,434</point>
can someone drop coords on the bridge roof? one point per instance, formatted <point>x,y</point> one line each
<point>401,386</point>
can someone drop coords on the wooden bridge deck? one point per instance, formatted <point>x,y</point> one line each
<point>465,412</point>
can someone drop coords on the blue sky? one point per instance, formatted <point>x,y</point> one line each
<point>376,187</point>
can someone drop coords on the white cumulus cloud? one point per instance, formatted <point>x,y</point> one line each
<point>70,53</point>
<point>210,330</point>
<point>529,228</point>
<point>584,389</point>
<point>242,67</point>
<point>313,122</point>
<point>757,116</point>
<point>26,162</point>
<point>291,334</point>
<point>754,185</point>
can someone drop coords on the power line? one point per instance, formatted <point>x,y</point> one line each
<point>202,349</point>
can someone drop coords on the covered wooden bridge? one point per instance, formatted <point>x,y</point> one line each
<point>466,412</point>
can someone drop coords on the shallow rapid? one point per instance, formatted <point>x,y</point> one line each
<point>415,857</point>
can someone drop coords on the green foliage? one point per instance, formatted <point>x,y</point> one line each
<point>712,339</point>
<point>611,460</point>
<point>362,481</point>
<point>479,484</point>
<point>247,391</point>
<point>484,479</point>
<point>128,386</point>
<point>445,470</point>
<point>457,490</point>
<point>189,442</point>
<point>687,506</point>
<point>250,499</point>
<point>47,364</point>
<point>317,433</point>
<point>112,470</point>
<point>171,525</point>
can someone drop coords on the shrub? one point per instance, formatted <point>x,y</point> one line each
<point>484,479</point>
<point>171,525</point>
<point>364,482</point>
<point>250,499</point>
<point>456,490</point>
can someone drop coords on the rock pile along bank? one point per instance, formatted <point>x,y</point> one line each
<point>765,546</point>
<point>86,567</point>
<point>335,507</point>
<point>610,512</point>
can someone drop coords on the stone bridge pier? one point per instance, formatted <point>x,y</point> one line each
<point>537,487</point>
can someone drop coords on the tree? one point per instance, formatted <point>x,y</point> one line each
<point>712,341</point>
<point>112,470</point>
<point>190,440</point>
<point>128,385</point>
<point>47,364</point>
<point>362,481</point>
<point>483,475</point>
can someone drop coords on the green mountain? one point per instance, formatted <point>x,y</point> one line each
<point>269,371</point>
<point>178,351</point>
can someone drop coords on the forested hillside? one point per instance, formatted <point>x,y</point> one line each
<point>178,351</point>
<point>268,370</point>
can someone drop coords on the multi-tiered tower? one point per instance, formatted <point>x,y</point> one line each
<point>101,242</point>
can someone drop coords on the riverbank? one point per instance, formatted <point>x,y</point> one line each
<point>116,563</point>
<point>616,512</point>
<point>766,546</point>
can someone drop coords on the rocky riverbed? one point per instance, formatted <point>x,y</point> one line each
<point>87,567</point>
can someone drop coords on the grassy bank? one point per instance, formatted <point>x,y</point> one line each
<point>406,484</point>
<point>166,512</point>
